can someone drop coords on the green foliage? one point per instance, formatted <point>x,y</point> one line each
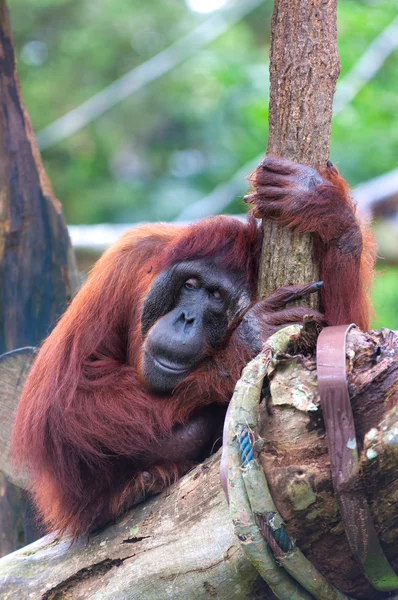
<point>385,297</point>
<point>168,144</point>
<point>365,134</point>
<point>175,140</point>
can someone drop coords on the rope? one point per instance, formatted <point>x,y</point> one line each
<point>252,508</point>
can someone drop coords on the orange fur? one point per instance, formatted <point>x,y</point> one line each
<point>86,417</point>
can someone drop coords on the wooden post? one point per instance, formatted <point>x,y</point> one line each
<point>38,274</point>
<point>304,67</point>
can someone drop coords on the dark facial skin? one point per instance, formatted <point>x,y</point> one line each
<point>187,315</point>
<point>191,310</point>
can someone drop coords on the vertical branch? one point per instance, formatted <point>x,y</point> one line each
<point>38,274</point>
<point>37,268</point>
<point>304,67</point>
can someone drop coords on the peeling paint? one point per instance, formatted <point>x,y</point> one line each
<point>372,434</point>
<point>392,436</point>
<point>371,454</point>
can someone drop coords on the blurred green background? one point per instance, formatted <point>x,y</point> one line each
<point>172,142</point>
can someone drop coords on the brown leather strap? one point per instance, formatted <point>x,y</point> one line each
<point>343,453</point>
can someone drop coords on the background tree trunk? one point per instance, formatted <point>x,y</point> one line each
<point>38,275</point>
<point>304,67</point>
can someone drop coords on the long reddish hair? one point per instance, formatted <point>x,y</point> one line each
<point>84,415</point>
<point>86,418</point>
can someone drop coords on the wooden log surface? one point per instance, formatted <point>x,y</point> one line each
<point>296,460</point>
<point>11,525</point>
<point>180,545</point>
<point>14,367</point>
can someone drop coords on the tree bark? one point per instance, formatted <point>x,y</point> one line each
<point>181,544</point>
<point>304,67</point>
<point>37,268</point>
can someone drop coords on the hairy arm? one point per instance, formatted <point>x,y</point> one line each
<point>267,316</point>
<point>298,197</point>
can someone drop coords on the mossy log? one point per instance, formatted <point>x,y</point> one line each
<point>181,545</point>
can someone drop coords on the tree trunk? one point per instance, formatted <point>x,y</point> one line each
<point>37,269</point>
<point>181,544</point>
<point>304,67</point>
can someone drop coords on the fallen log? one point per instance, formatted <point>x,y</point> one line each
<point>181,544</point>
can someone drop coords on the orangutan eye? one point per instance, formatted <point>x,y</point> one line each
<point>191,284</point>
<point>216,294</point>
